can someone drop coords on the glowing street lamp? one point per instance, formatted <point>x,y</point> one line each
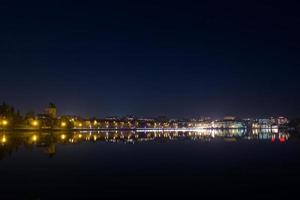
<point>35,123</point>
<point>63,136</point>
<point>63,124</point>
<point>4,122</point>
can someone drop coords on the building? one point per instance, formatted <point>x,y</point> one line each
<point>228,124</point>
<point>51,110</point>
<point>229,118</point>
<point>282,121</point>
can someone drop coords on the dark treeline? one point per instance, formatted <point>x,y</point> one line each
<point>11,114</point>
<point>295,123</point>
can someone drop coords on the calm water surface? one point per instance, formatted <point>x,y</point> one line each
<point>147,165</point>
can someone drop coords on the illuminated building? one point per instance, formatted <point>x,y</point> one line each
<point>228,124</point>
<point>265,123</point>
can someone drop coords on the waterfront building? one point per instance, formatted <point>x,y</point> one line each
<point>265,123</point>
<point>271,123</point>
<point>200,124</point>
<point>51,110</point>
<point>282,121</point>
<point>229,118</point>
<point>228,124</point>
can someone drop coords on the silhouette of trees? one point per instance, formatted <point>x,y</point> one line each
<point>52,105</point>
<point>295,124</point>
<point>8,112</point>
<point>30,115</point>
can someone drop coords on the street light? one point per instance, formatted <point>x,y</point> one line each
<point>63,136</point>
<point>35,123</point>
<point>4,122</point>
<point>63,124</point>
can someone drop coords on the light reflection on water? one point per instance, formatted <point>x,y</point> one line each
<point>11,141</point>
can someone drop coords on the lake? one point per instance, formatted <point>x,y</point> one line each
<point>147,165</point>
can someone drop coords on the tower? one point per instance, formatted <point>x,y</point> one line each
<point>51,110</point>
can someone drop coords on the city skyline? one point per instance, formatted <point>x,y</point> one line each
<point>50,120</point>
<point>149,99</point>
<point>59,113</point>
<point>151,58</point>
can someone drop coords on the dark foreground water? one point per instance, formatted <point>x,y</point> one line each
<point>120,165</point>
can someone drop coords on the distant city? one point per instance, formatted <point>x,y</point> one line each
<point>50,120</point>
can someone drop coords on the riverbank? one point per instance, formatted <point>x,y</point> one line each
<point>137,129</point>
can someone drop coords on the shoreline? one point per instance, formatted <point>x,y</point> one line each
<point>138,129</point>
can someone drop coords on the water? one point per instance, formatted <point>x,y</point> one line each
<point>118,165</point>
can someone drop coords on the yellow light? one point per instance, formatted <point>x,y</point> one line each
<point>80,136</point>
<point>4,122</point>
<point>80,124</point>
<point>63,136</point>
<point>34,138</point>
<point>3,140</point>
<point>95,122</point>
<point>63,124</point>
<point>35,123</point>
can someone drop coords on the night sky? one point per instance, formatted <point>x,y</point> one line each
<point>150,58</point>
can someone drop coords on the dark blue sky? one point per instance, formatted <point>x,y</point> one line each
<point>149,58</point>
